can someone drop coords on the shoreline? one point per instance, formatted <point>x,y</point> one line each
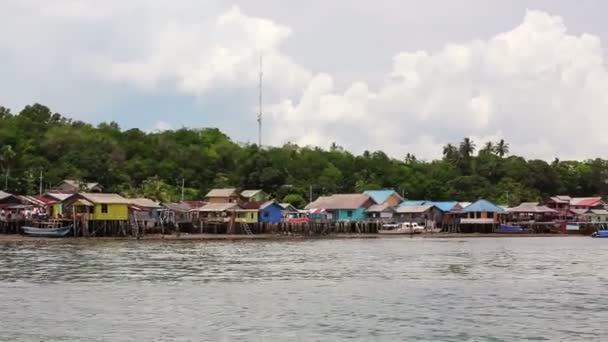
<point>274,237</point>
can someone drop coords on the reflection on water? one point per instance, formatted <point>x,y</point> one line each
<point>384,290</point>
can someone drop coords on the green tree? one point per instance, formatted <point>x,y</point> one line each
<point>501,148</point>
<point>296,200</point>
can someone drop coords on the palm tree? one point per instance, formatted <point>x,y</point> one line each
<point>450,152</point>
<point>488,148</point>
<point>6,157</point>
<point>501,148</point>
<point>467,148</point>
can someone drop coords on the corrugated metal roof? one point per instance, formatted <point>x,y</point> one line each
<point>104,198</point>
<point>414,209</point>
<point>464,204</point>
<point>586,201</point>
<point>579,211</point>
<point>178,207</point>
<point>444,206</point>
<point>144,203</point>
<point>4,195</point>
<point>213,207</point>
<point>34,200</point>
<point>230,192</point>
<point>288,207</point>
<point>483,205</point>
<point>341,201</point>
<point>379,208</point>
<point>599,211</point>
<point>411,203</point>
<point>58,196</point>
<point>561,199</point>
<point>250,193</point>
<point>380,196</point>
<point>531,207</point>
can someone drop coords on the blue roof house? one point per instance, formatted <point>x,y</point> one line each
<point>482,212</point>
<point>270,211</point>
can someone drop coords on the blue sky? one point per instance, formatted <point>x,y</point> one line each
<point>400,76</point>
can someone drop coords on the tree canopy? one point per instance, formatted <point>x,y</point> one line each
<point>153,164</point>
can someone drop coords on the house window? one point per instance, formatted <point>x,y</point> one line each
<point>104,208</point>
<point>349,213</point>
<point>266,214</point>
<point>251,215</point>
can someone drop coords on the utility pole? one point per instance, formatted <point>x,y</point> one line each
<point>183,182</point>
<point>310,194</point>
<point>6,175</point>
<point>260,102</point>
<point>40,186</point>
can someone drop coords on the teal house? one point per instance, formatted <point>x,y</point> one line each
<point>342,207</point>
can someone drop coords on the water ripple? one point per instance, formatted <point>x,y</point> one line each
<point>363,290</point>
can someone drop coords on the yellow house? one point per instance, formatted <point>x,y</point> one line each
<point>246,215</point>
<point>98,206</point>
<point>56,207</point>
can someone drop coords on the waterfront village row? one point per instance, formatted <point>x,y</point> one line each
<point>71,199</point>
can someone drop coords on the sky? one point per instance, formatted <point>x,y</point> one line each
<point>394,75</point>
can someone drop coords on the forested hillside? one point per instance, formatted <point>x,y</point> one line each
<point>135,162</point>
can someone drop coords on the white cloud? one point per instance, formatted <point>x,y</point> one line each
<point>539,87</point>
<point>162,126</point>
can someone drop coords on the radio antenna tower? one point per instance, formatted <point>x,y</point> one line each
<point>260,102</point>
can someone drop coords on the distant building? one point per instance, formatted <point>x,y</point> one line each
<point>69,186</point>
<point>98,206</point>
<point>428,215</point>
<point>481,212</point>
<point>229,195</point>
<point>8,199</point>
<point>254,195</point>
<point>267,211</point>
<point>382,212</point>
<point>222,211</point>
<point>342,207</point>
<point>387,196</point>
<point>144,210</point>
<point>569,208</point>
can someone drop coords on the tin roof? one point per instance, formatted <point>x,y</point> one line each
<point>579,211</point>
<point>444,206</point>
<point>177,207</point>
<point>379,208</point>
<point>341,201</point>
<point>4,195</point>
<point>144,203</point>
<point>561,199</point>
<point>599,211</point>
<point>58,196</point>
<point>411,203</point>
<point>483,205</point>
<point>380,196</point>
<point>414,209</point>
<point>104,198</point>
<point>229,192</point>
<point>217,207</point>
<point>586,201</point>
<point>288,207</point>
<point>531,207</point>
<point>250,193</point>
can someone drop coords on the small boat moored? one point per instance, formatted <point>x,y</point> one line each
<point>504,228</point>
<point>603,233</point>
<point>47,230</point>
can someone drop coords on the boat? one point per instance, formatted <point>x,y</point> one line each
<point>504,228</point>
<point>602,233</point>
<point>405,228</point>
<point>47,232</point>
